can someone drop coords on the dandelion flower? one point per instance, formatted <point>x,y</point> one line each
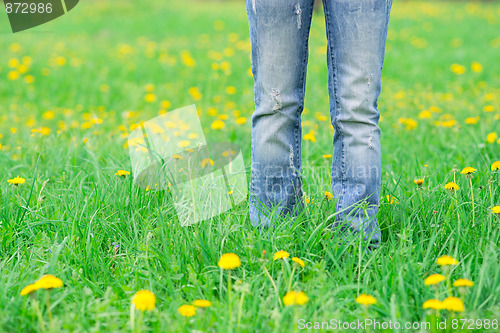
<point>433,279</point>
<point>495,166</point>
<point>295,298</point>
<point>48,282</point>
<point>433,304</point>
<point>463,283</point>
<point>419,181</point>
<point>453,304</point>
<point>16,181</point>
<point>446,260</point>
<point>491,137</point>
<point>299,261</point>
<point>391,200</point>
<point>310,136</point>
<point>187,310</point>
<point>496,210</point>
<point>281,255</point>
<point>468,171</point>
<point>365,299</point>
<point>144,300</point>
<point>202,303</point>
<point>206,161</point>
<point>241,120</point>
<point>218,124</point>
<point>452,186</point>
<point>328,195</point>
<point>229,261</point>
<point>122,173</point>
<point>327,156</point>
<point>29,289</point>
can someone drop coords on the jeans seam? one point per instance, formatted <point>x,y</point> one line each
<point>298,138</point>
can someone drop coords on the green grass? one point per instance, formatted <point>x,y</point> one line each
<point>67,226</point>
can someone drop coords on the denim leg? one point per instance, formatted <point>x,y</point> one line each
<point>356,32</point>
<point>279,31</point>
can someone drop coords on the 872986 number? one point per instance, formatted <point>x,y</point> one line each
<point>25,8</point>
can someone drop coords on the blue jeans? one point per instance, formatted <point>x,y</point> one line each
<point>279,33</point>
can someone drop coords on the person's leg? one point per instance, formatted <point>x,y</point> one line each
<point>279,31</point>
<point>356,32</point>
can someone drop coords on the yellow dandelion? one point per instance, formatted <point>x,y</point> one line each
<point>202,303</point>
<point>495,210</point>
<point>150,98</point>
<point>187,310</point>
<point>468,170</point>
<point>218,124</point>
<point>206,161</point>
<point>365,299</point>
<point>476,67</point>
<point>281,255</point>
<point>328,195</point>
<point>453,304</point>
<point>195,93</point>
<point>433,304</point>
<point>488,108</point>
<point>49,282</point>
<point>391,200</point>
<point>495,166</point>
<point>16,181</point>
<point>13,75</point>
<point>295,298</point>
<point>327,156</point>
<point>457,69</point>
<point>452,186</point>
<point>241,120</point>
<point>229,261</point>
<point>490,138</point>
<point>184,143</point>
<point>419,181</point>
<point>299,261</point>
<point>122,173</point>
<point>310,136</point>
<point>426,114</point>
<point>29,289</point>
<point>144,300</point>
<point>433,279</point>
<point>446,260</point>
<point>471,120</point>
<point>463,283</point>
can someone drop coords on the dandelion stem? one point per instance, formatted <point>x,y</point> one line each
<point>240,307</point>
<point>472,196</point>
<point>220,284</point>
<point>291,277</point>
<point>47,304</point>
<point>230,315</point>
<point>272,282</point>
<point>39,315</point>
<point>139,324</point>
<point>132,317</point>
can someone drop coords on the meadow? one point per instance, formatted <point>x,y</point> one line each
<point>72,90</point>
